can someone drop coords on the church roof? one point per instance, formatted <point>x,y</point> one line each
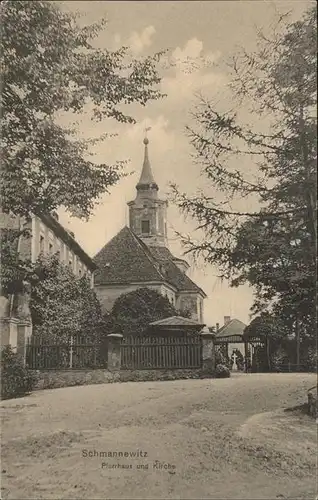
<point>180,280</point>
<point>124,259</point>
<point>235,327</point>
<point>146,178</point>
<point>127,259</point>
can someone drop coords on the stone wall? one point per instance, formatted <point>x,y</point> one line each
<point>67,378</point>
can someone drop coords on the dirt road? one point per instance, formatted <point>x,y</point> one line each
<point>187,439</point>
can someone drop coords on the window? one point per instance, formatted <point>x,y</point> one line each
<point>41,243</point>
<point>59,250</point>
<point>145,227</point>
<point>50,248</point>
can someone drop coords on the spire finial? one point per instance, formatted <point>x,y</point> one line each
<point>146,140</point>
<point>146,179</point>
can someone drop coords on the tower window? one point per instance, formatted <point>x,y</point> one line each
<point>145,226</point>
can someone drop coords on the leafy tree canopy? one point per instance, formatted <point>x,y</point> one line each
<point>133,311</point>
<point>61,303</point>
<point>264,326</point>
<point>50,65</point>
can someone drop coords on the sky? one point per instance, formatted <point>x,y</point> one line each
<point>200,38</point>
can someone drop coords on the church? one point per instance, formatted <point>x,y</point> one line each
<point>138,256</point>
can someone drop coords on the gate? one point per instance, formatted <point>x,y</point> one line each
<point>161,352</point>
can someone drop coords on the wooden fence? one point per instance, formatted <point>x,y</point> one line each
<point>75,352</point>
<point>164,352</point>
<point>137,353</point>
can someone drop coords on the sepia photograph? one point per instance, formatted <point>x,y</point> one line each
<point>158,238</point>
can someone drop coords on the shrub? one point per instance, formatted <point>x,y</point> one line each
<point>221,358</point>
<point>309,359</point>
<point>222,371</point>
<point>16,380</point>
<point>278,359</point>
<point>133,311</point>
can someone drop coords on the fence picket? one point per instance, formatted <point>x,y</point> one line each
<point>75,353</point>
<point>161,352</point>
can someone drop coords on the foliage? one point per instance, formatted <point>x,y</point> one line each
<point>273,247</point>
<point>220,357</point>
<point>309,359</point>
<point>133,311</point>
<point>50,66</point>
<point>222,371</point>
<point>264,326</point>
<point>279,358</point>
<point>14,269</point>
<point>61,303</point>
<point>16,380</point>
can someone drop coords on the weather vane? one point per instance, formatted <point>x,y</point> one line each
<point>146,130</point>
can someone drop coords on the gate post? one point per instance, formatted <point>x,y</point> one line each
<point>114,352</point>
<point>208,351</point>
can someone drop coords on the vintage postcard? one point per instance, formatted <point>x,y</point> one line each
<point>158,250</point>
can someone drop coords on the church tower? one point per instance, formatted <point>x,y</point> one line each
<point>147,213</point>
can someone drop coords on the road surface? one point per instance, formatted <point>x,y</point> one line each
<point>184,439</point>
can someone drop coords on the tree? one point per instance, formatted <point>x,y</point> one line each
<point>272,332</point>
<point>50,65</point>
<point>133,311</point>
<point>62,304</point>
<point>273,247</point>
<point>14,269</point>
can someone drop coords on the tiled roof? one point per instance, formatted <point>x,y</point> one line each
<point>176,321</point>
<point>234,327</point>
<point>173,274</point>
<point>126,259</point>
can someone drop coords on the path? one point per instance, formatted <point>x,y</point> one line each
<point>219,439</point>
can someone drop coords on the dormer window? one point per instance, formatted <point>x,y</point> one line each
<point>145,226</point>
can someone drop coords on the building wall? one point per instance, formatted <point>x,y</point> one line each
<point>45,241</point>
<point>191,302</point>
<point>25,245</point>
<point>153,210</point>
<point>108,294</point>
<point>170,294</point>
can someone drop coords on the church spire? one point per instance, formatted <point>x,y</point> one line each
<point>146,180</point>
<point>147,213</point>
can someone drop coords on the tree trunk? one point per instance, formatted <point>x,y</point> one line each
<point>268,353</point>
<point>297,343</point>
<point>20,221</point>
